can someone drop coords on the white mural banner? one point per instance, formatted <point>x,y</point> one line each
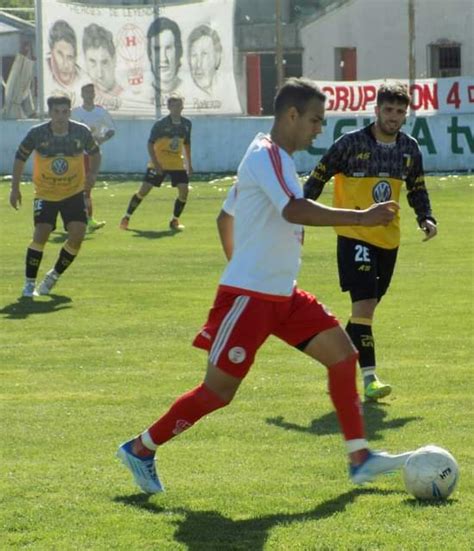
<point>428,96</point>
<point>138,56</point>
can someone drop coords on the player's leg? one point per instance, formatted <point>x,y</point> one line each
<point>92,224</point>
<point>179,179</point>
<point>150,180</point>
<point>331,346</point>
<point>358,274</point>
<point>34,255</point>
<point>232,349</point>
<point>44,217</point>
<point>75,223</point>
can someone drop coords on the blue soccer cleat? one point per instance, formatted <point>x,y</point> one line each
<point>142,469</point>
<point>377,463</point>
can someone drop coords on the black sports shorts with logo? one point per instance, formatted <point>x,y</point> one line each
<point>72,209</point>
<point>177,177</point>
<point>364,269</point>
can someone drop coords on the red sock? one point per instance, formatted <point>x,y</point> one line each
<point>343,391</point>
<point>186,410</point>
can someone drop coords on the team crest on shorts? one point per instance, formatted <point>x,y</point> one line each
<point>237,355</point>
<point>59,166</point>
<point>382,191</point>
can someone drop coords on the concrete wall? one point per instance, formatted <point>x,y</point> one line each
<point>218,143</point>
<point>379,31</point>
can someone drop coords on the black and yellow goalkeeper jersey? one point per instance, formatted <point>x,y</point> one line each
<point>58,163</point>
<point>367,172</point>
<point>168,139</point>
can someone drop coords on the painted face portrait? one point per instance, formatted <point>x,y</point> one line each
<point>164,52</point>
<point>205,52</point>
<point>63,62</point>
<point>100,66</point>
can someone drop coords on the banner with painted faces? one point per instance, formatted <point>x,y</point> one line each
<point>138,56</point>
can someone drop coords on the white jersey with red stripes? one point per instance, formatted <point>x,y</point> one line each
<point>267,248</point>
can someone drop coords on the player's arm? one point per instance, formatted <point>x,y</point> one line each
<point>187,148</point>
<point>225,227</point>
<point>154,136</point>
<point>153,158</point>
<point>21,156</point>
<point>309,213</point>
<point>419,200</point>
<point>329,165</point>
<point>109,123</point>
<point>92,149</point>
<point>187,152</point>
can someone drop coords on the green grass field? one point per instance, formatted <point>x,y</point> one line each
<point>101,358</point>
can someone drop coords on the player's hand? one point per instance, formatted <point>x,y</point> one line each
<point>159,169</point>
<point>15,198</point>
<point>430,229</point>
<point>379,214</point>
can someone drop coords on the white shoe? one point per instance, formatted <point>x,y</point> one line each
<point>142,469</point>
<point>377,463</point>
<point>29,288</point>
<point>49,281</point>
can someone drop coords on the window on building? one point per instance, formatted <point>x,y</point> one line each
<point>292,68</point>
<point>345,63</point>
<point>445,59</point>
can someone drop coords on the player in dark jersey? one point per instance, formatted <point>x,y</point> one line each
<point>60,184</point>
<point>370,165</point>
<point>170,137</point>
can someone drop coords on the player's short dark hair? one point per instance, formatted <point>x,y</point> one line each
<point>205,30</point>
<point>61,30</point>
<point>88,85</point>
<point>395,92</point>
<point>172,98</point>
<point>58,99</point>
<point>159,25</point>
<point>296,92</point>
<point>96,36</point>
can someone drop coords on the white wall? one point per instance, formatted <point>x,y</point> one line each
<point>379,31</point>
<point>218,143</point>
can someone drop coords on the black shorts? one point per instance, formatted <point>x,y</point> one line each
<point>72,209</point>
<point>364,269</point>
<point>177,177</point>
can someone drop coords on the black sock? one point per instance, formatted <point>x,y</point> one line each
<point>134,202</point>
<point>64,260</point>
<point>33,261</point>
<point>178,208</point>
<point>362,337</point>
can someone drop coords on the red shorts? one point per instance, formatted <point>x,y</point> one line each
<point>238,325</point>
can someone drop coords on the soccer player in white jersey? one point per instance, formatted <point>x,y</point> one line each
<point>258,291</point>
<point>102,127</point>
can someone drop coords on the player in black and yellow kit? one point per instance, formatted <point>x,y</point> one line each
<point>170,137</point>
<point>60,186</point>
<point>370,165</point>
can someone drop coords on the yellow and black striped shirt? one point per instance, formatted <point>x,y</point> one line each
<point>168,139</point>
<point>58,163</point>
<point>366,172</point>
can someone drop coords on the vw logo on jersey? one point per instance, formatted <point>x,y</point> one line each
<point>59,166</point>
<point>382,191</point>
<point>174,143</point>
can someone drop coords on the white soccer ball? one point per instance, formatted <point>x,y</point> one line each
<point>431,472</point>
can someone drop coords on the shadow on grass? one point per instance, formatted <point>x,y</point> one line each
<point>25,306</point>
<point>210,530</point>
<point>375,423</point>
<point>150,234</point>
<point>60,237</point>
<point>429,503</point>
